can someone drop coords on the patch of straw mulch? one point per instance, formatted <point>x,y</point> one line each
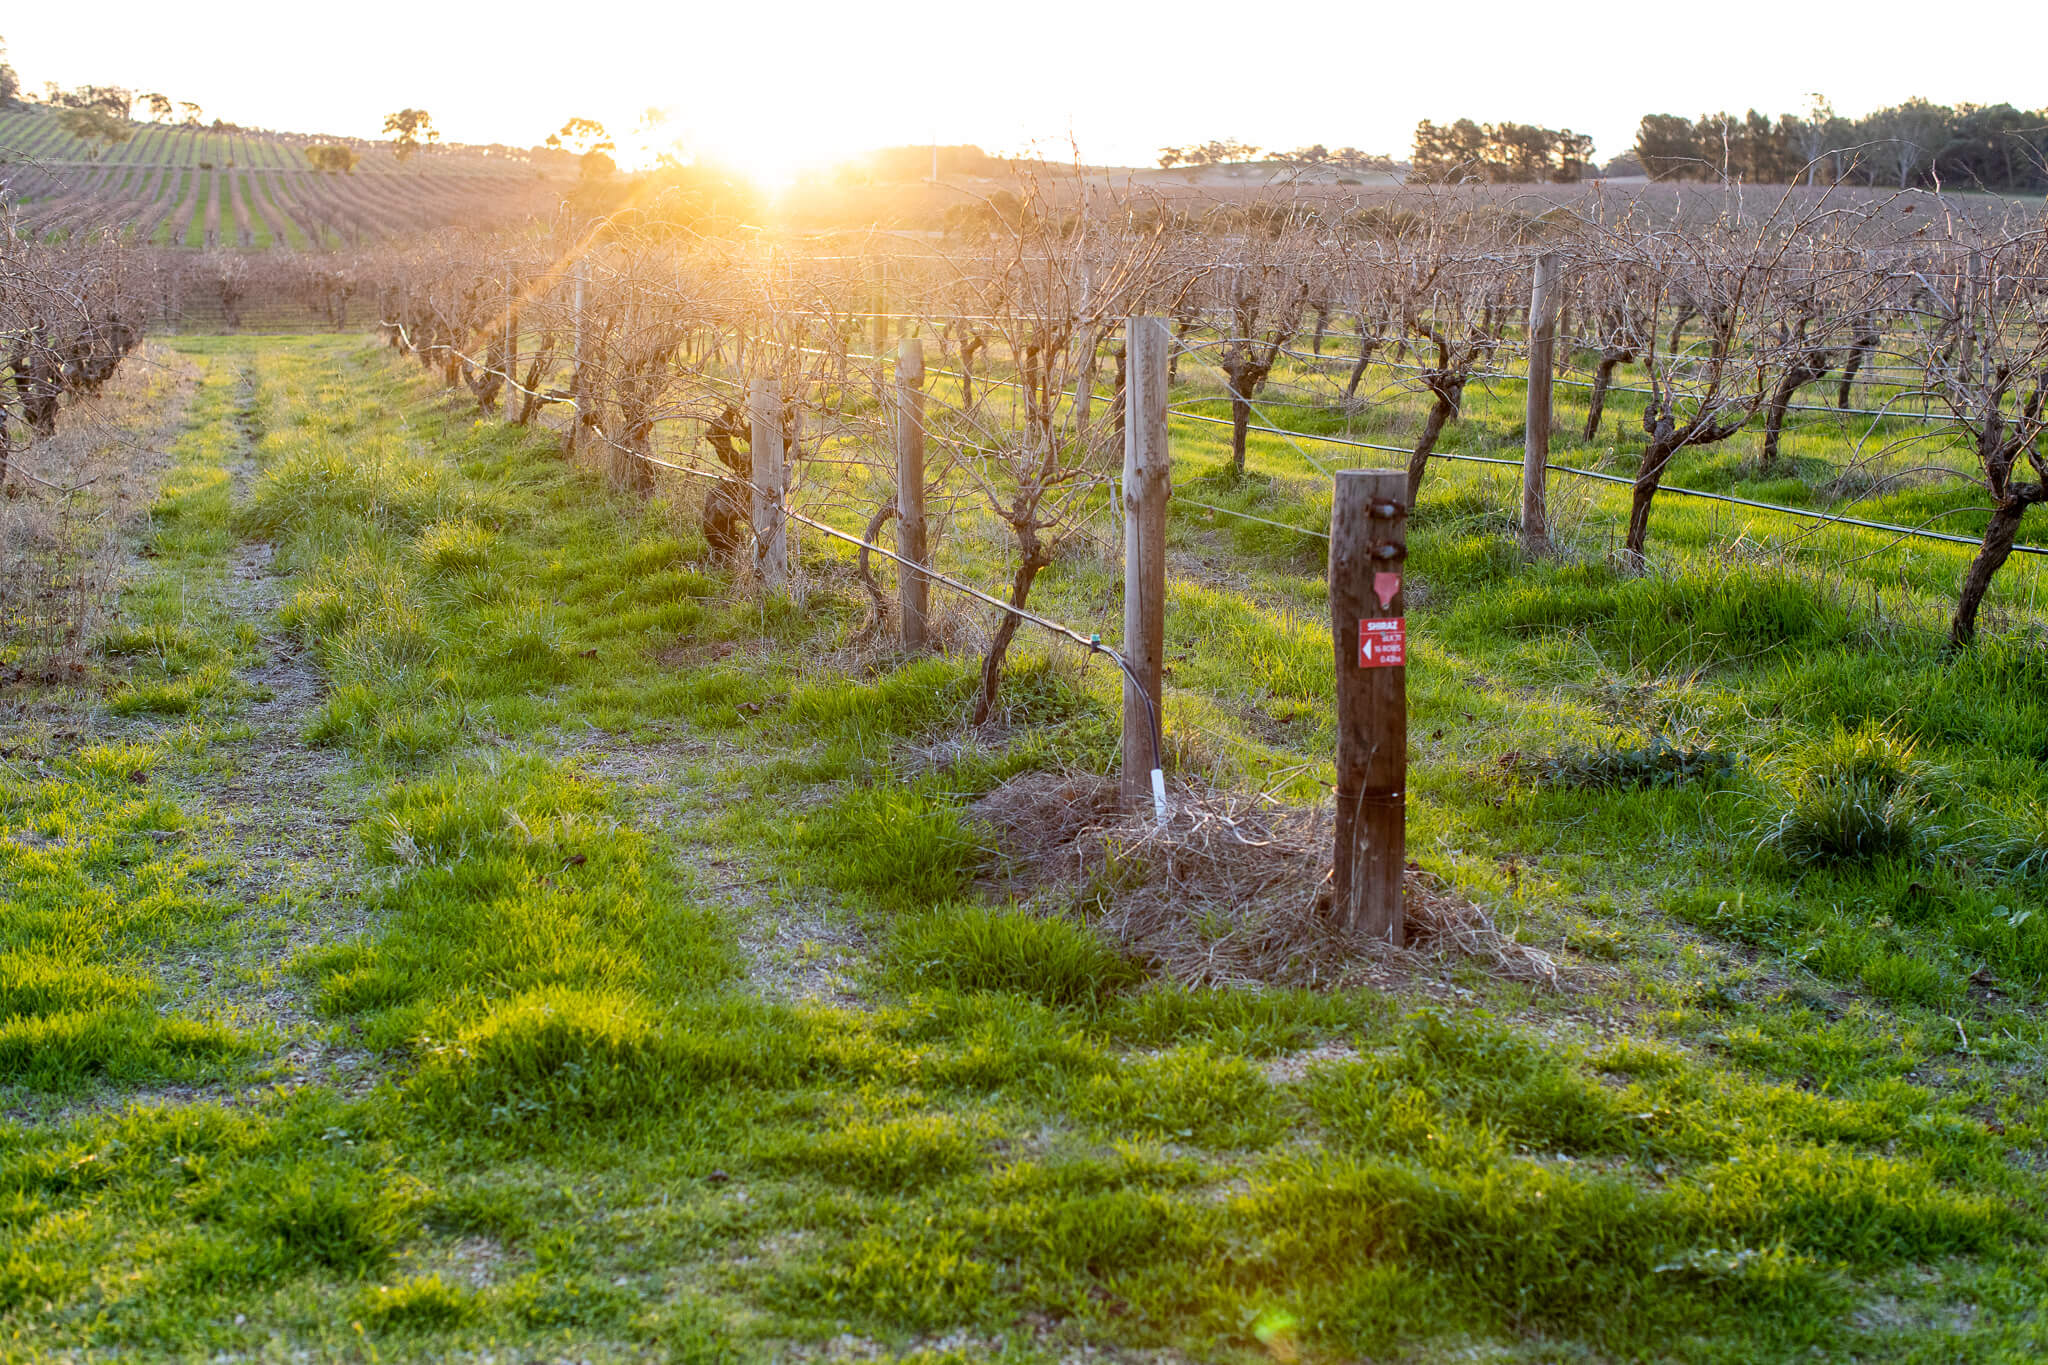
<point>1226,892</point>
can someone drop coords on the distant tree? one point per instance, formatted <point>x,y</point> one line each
<point>412,130</point>
<point>191,111</point>
<point>332,158</point>
<point>1499,153</point>
<point>1994,146</point>
<point>1906,137</point>
<point>96,128</point>
<point>10,84</point>
<point>1316,155</point>
<point>1628,163</point>
<point>158,104</point>
<point>1816,133</point>
<point>1222,152</point>
<point>581,135</point>
<point>117,100</point>
<point>587,137</point>
<point>1447,153</point>
<point>1667,149</point>
<point>1573,155</point>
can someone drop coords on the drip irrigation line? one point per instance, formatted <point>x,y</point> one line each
<point>1828,517</point>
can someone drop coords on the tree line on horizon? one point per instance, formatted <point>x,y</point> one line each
<point>1915,144</point>
<point>1903,146</point>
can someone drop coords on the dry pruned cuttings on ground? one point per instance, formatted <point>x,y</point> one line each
<point>1227,892</point>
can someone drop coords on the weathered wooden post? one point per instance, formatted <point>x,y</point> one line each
<point>912,590</point>
<point>771,544</point>
<point>1368,554</point>
<point>511,348</point>
<point>1536,425</point>
<point>1966,312</point>
<point>1148,483</point>
<point>578,390</point>
<point>1084,336</point>
<point>879,323</point>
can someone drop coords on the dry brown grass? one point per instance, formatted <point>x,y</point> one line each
<point>1227,891</point>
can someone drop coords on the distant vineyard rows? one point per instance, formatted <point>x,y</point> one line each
<point>184,187</point>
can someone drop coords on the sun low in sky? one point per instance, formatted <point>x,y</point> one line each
<point>774,89</point>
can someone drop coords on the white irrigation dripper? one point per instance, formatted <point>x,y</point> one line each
<point>1158,797</point>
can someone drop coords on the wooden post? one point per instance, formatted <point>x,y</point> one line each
<point>1084,386</point>
<point>1148,483</point>
<point>1536,426</point>
<point>912,589</point>
<point>879,345</point>
<point>771,544</point>
<point>576,388</point>
<point>511,350</point>
<point>1084,383</point>
<point>1368,553</point>
<point>1966,300</point>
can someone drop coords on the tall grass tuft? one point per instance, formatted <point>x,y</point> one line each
<point>550,1054</point>
<point>973,948</point>
<point>1852,796</point>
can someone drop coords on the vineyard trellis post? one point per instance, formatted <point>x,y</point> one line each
<point>511,347</point>
<point>771,542</point>
<point>912,590</point>
<point>1536,424</point>
<point>879,345</point>
<point>1368,559</point>
<point>578,396</point>
<point>1969,296</point>
<point>1148,483</point>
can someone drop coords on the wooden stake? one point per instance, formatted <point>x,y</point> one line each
<point>1967,297</point>
<point>1536,426</point>
<point>879,346</point>
<point>511,350</point>
<point>771,544</point>
<point>1368,553</point>
<point>1148,483</point>
<point>1084,386</point>
<point>912,588</point>
<point>576,389</point>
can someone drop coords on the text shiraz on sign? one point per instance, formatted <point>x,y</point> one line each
<point>1383,642</point>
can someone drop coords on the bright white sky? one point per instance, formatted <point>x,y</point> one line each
<point>773,85</point>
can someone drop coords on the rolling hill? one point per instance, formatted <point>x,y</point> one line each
<point>185,186</point>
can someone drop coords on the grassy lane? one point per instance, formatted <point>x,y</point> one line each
<point>659,1012</point>
<point>105,889</point>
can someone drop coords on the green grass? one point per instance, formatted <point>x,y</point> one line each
<point>99,881</point>
<point>601,794</point>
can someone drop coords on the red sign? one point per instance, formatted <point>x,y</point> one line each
<point>1383,642</point>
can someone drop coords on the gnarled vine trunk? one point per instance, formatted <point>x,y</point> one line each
<point>1865,343</point>
<point>1034,559</point>
<point>1806,369</point>
<point>1603,378</point>
<point>1367,344</point>
<point>1448,387</point>
<point>2000,535</point>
